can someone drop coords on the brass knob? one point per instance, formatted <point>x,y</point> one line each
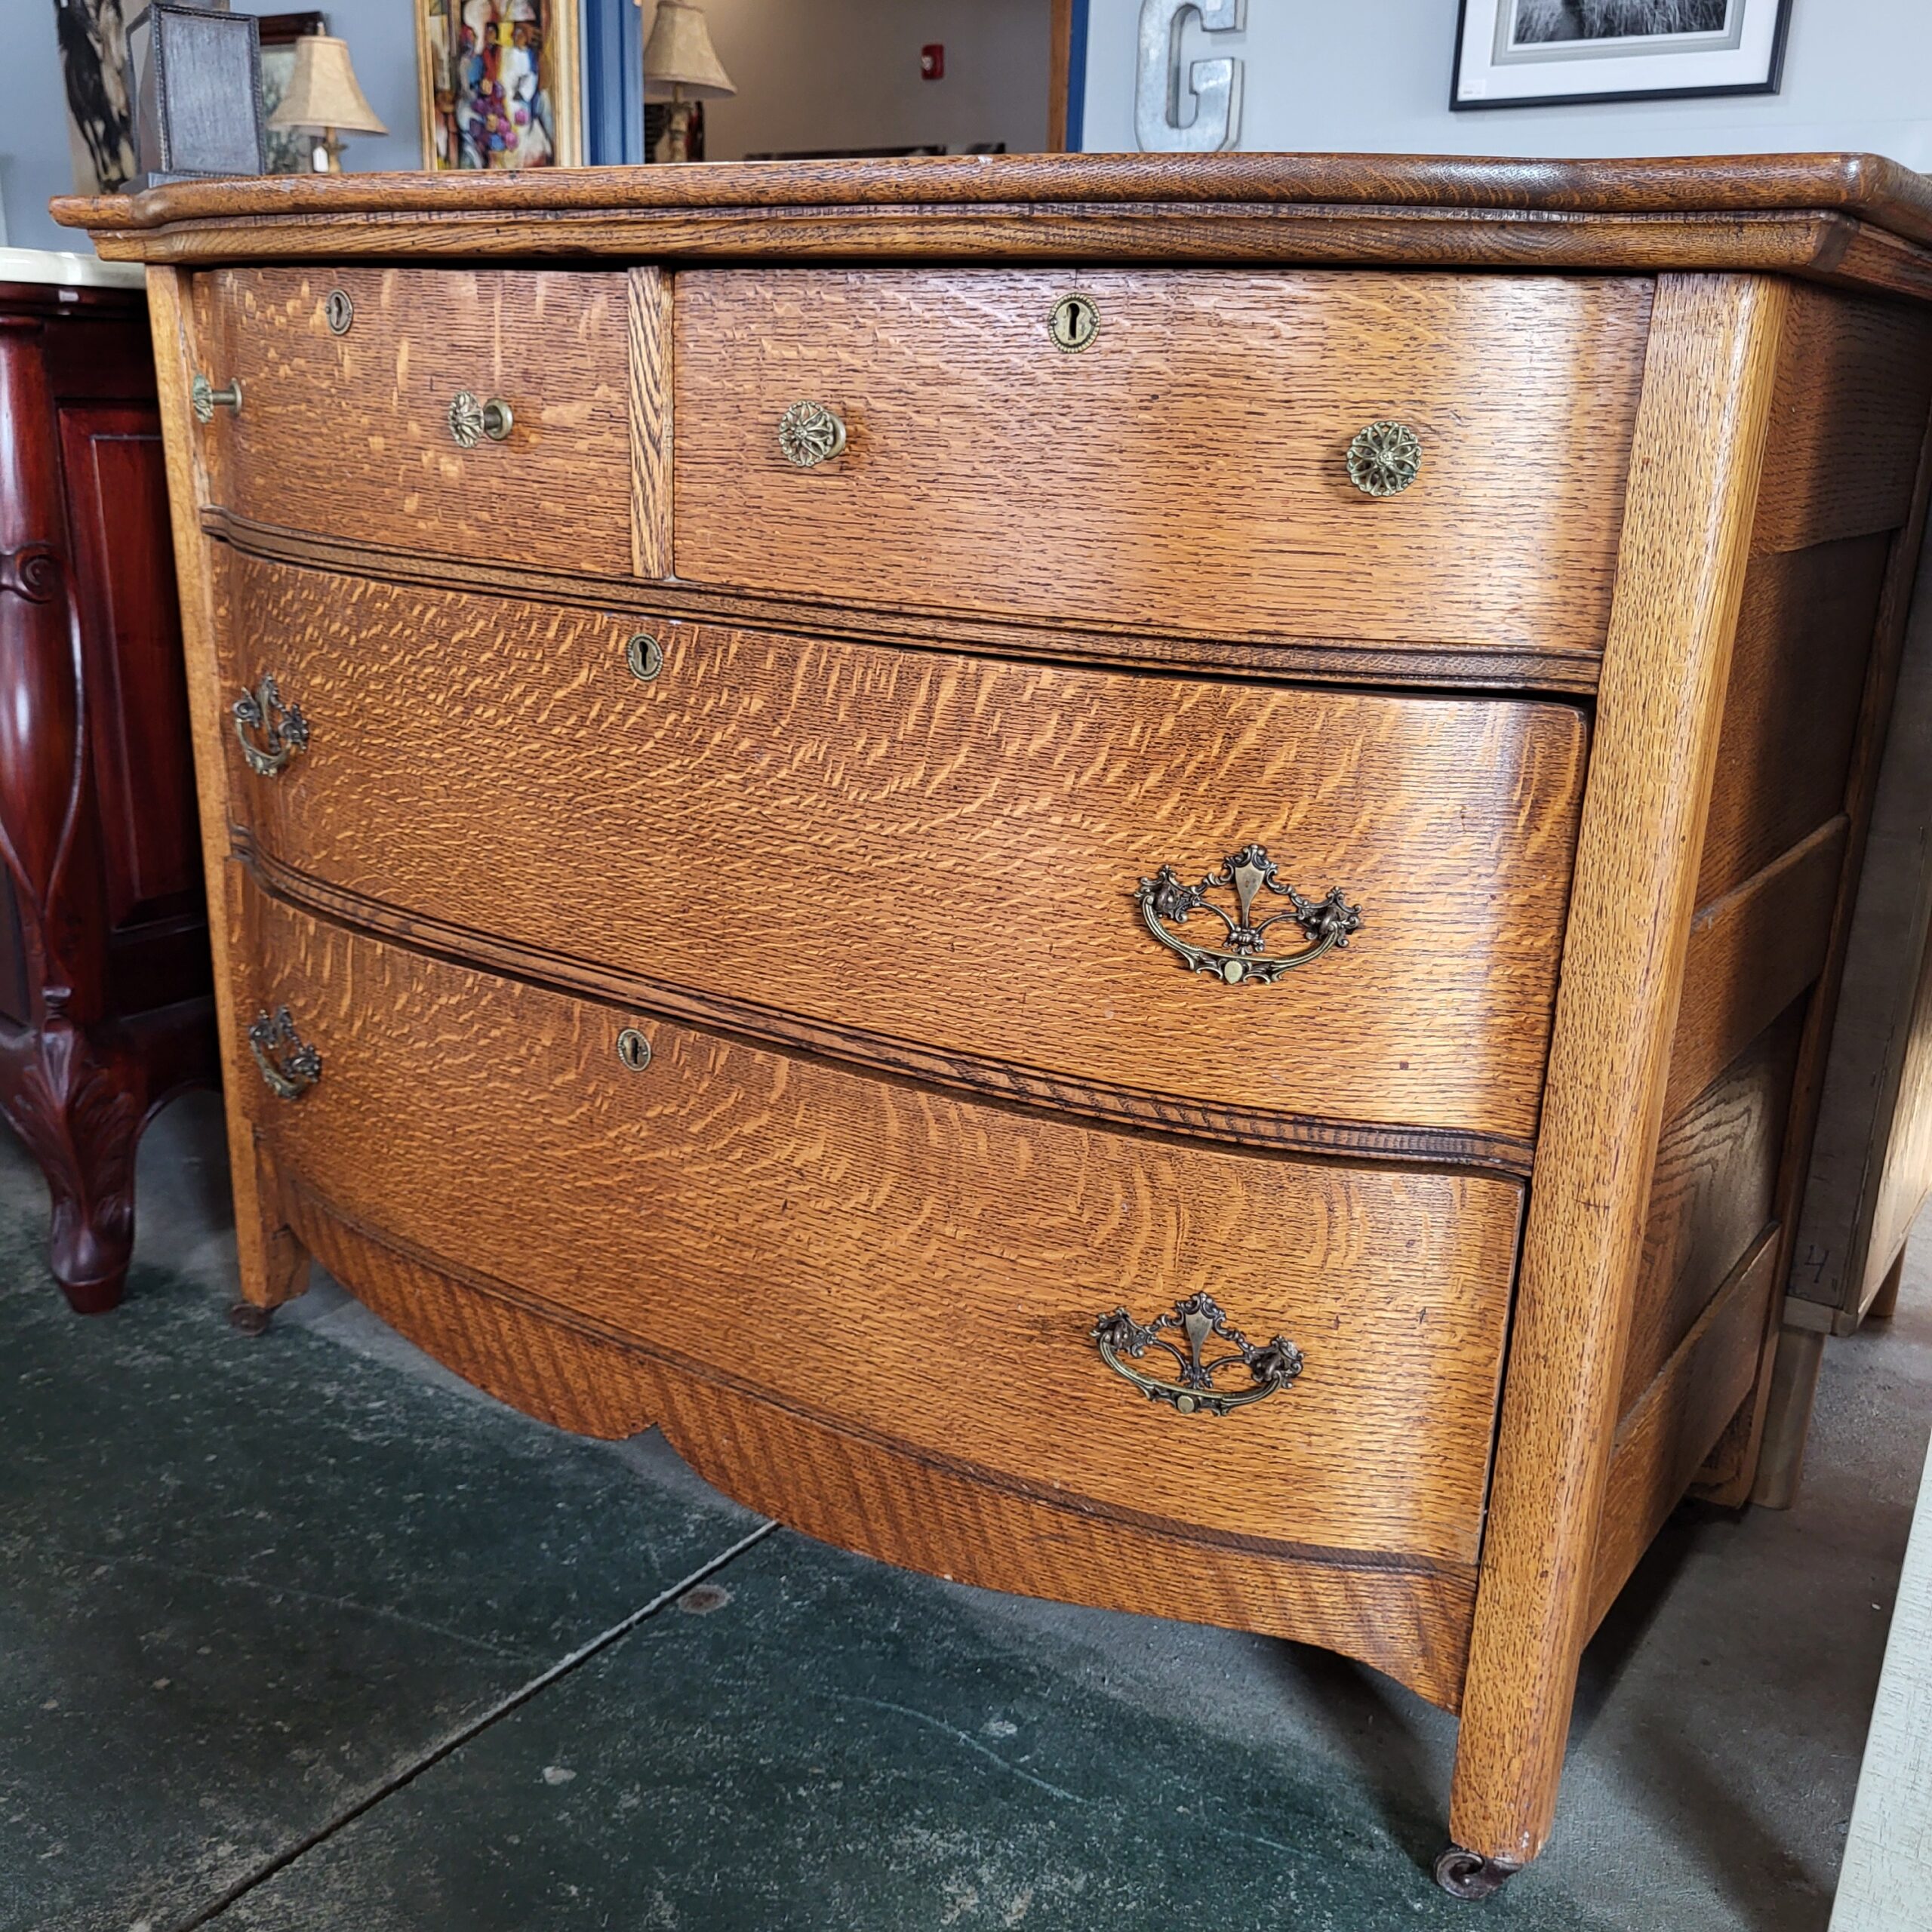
<point>206,398</point>
<point>1385,459</point>
<point>289,1065</point>
<point>470,420</point>
<point>284,730</point>
<point>810,434</point>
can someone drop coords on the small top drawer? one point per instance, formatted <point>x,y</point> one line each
<point>349,378</point>
<point>1188,469</point>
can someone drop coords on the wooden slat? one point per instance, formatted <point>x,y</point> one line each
<point>1715,1190</point>
<point>1670,1432</point>
<point>1694,469</point>
<point>1848,422</point>
<point>1791,713</point>
<point>1751,954</point>
<point>649,336</point>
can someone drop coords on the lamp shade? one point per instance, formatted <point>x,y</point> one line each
<point>678,63</point>
<point>323,94</point>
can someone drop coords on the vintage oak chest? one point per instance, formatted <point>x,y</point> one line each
<point>1122,878</point>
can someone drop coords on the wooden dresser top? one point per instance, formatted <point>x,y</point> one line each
<point>1855,219</point>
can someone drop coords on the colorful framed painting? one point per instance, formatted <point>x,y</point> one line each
<point>1560,53</point>
<point>499,82</point>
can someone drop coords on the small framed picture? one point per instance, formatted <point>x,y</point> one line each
<point>501,83</point>
<point>1558,53</point>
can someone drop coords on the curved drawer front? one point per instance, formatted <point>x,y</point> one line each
<point>917,1268</point>
<point>1188,470</point>
<point>350,435</point>
<point>943,851</point>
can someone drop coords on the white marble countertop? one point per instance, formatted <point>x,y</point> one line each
<point>68,271</point>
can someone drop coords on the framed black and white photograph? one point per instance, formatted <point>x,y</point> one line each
<point>1558,53</point>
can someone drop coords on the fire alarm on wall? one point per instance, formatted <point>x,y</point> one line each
<point>932,62</point>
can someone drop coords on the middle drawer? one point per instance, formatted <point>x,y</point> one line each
<point>921,851</point>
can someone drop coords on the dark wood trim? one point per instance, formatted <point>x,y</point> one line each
<point>1436,665</point>
<point>1408,1146</point>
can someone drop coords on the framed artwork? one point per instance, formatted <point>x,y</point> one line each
<point>500,83</point>
<point>288,151</point>
<point>1559,53</point>
<point>100,80</point>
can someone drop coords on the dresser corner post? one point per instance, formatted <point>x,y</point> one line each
<point>1696,460</point>
<point>274,1264</point>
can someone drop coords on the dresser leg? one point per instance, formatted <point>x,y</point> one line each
<point>274,1263</point>
<point>1787,1417</point>
<point>79,1107</point>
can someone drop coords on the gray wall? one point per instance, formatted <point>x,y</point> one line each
<point>811,74</point>
<point>1374,75</point>
<point>845,73</point>
<point>34,160</point>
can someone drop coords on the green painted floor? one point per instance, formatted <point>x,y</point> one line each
<point>300,1633</point>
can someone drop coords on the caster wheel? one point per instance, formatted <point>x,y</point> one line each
<point>245,1319</point>
<point>1463,1874</point>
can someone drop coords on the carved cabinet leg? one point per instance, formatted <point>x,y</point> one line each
<point>79,1107</point>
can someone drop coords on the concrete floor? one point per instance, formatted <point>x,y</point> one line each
<point>301,1632</point>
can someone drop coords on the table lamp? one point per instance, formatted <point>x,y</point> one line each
<point>679,66</point>
<point>324,100</point>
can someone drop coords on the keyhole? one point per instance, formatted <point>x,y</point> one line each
<point>634,1050</point>
<point>1076,320</point>
<point>339,310</point>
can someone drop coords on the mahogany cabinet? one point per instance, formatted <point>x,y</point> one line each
<point>1123,877</point>
<point>106,1006</point>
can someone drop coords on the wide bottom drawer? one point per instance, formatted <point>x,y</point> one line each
<point>922,1270</point>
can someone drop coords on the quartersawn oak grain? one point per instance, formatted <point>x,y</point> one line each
<point>1698,449</point>
<point>349,435</point>
<point>938,849</point>
<point>1188,471</point>
<point>877,1231</point>
<point>864,1494</point>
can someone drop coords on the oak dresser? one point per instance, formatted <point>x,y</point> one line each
<point>1123,877</point>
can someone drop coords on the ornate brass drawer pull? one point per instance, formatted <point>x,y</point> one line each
<point>290,1066</point>
<point>1197,1320</point>
<point>1385,459</point>
<point>205,399</point>
<point>471,420</point>
<point>810,434</point>
<point>284,730</point>
<point>1327,922</point>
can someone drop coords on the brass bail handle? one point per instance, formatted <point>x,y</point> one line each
<point>1166,901</point>
<point>1195,1322</point>
<point>289,1065</point>
<point>471,420</point>
<point>269,732</point>
<point>206,398</point>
